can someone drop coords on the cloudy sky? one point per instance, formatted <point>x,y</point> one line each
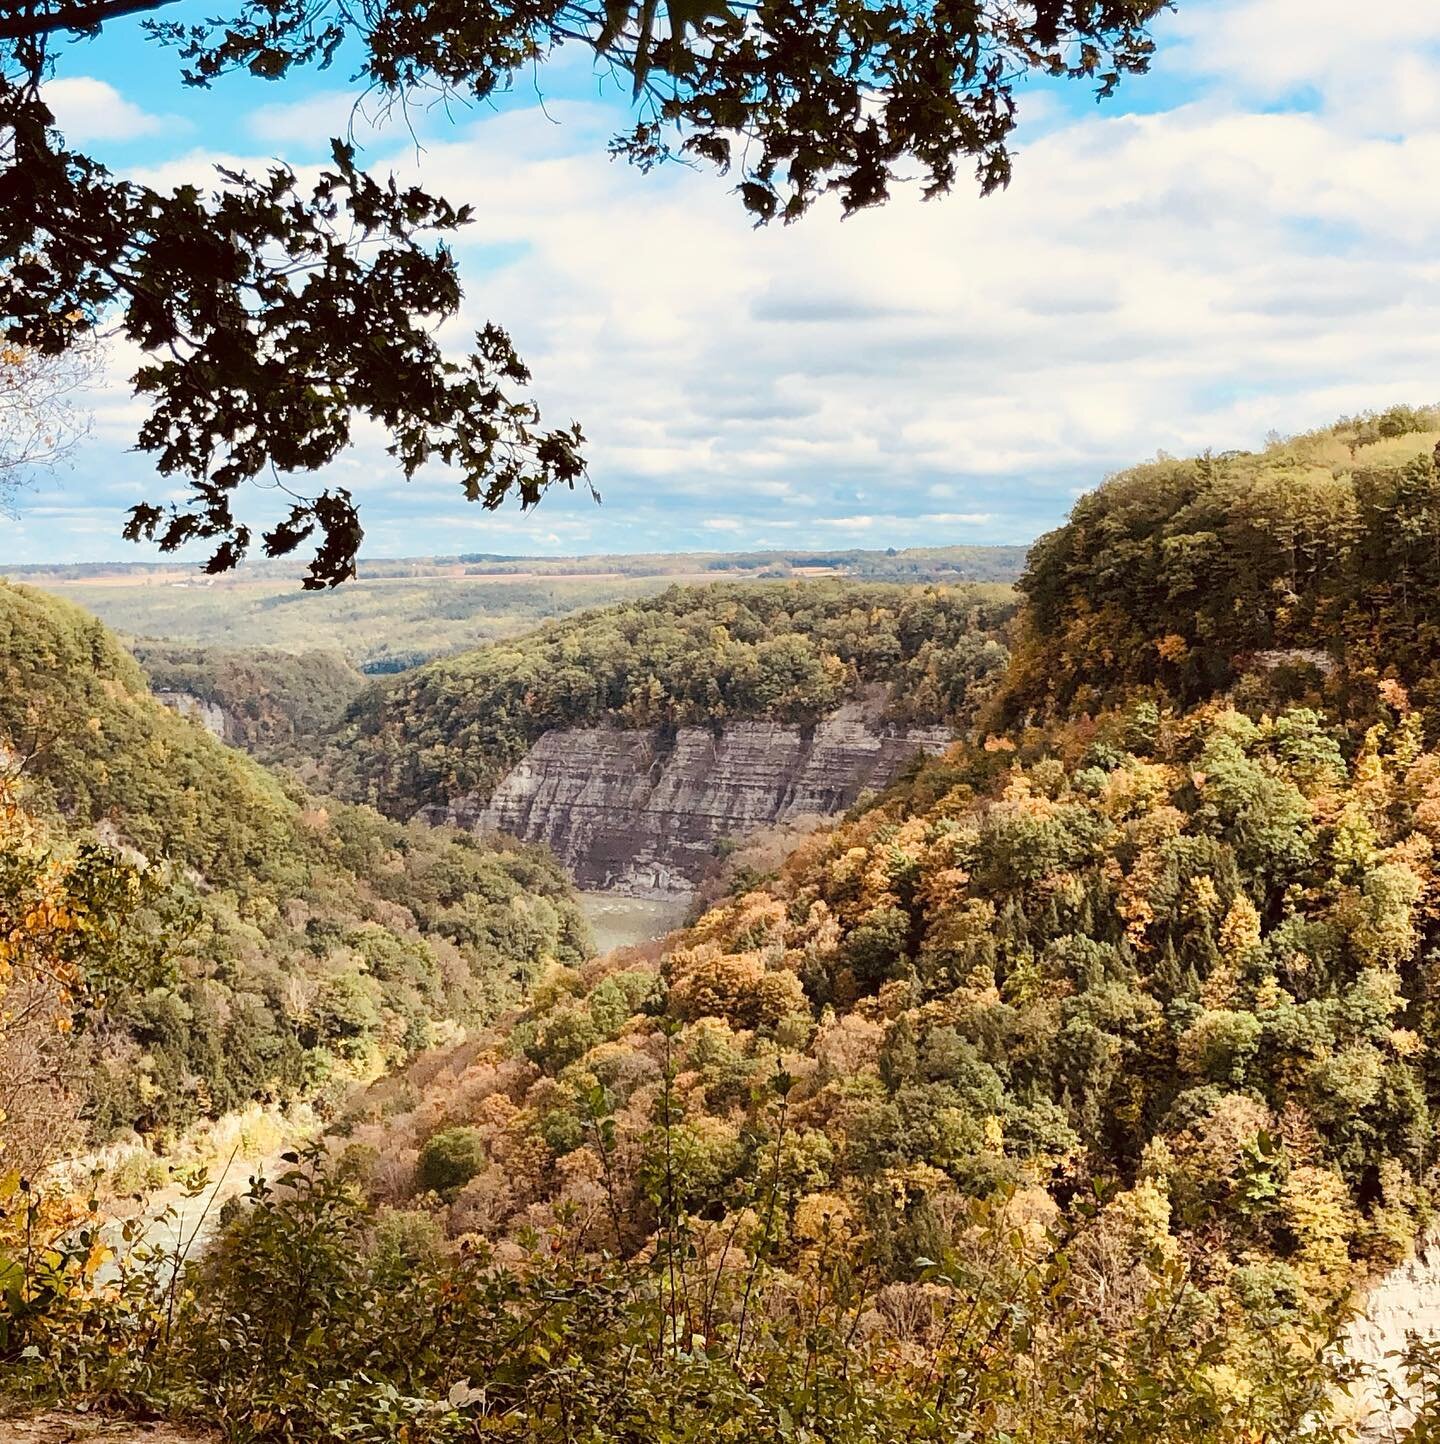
<point>1243,240</point>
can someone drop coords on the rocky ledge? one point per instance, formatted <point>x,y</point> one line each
<point>644,812</point>
<point>210,715</point>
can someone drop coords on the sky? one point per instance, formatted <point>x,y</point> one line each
<point>1241,241</point>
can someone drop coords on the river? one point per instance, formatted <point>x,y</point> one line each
<point>620,921</point>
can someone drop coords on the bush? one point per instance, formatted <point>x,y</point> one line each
<point>450,1159</point>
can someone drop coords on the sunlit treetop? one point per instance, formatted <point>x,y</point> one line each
<point>272,313</point>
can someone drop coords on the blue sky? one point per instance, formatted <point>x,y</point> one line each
<point>1239,242</point>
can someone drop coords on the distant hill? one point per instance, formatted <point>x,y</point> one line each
<point>271,703</point>
<point>403,612</point>
<point>784,651</point>
<point>1315,560</point>
<point>962,563</point>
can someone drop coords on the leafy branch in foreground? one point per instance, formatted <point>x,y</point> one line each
<point>271,316</point>
<point>315,1317</point>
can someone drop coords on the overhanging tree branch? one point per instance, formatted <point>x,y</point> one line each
<point>73,17</point>
<point>272,316</point>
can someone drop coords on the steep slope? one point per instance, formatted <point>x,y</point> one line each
<point>1190,958</point>
<point>273,704</point>
<point>325,941</point>
<point>787,652</point>
<point>647,812</point>
<point>1173,964</point>
<point>1316,558</point>
<point>703,680</point>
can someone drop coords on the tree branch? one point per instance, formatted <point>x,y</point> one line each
<point>72,17</point>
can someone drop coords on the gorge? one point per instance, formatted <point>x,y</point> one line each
<point>645,813</point>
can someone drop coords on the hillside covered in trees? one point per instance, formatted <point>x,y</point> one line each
<point>308,944</point>
<point>786,651</point>
<point>274,704</point>
<point>1157,976</point>
<point>1097,1054</point>
<point>1317,557</point>
<point>1066,1091</point>
<point>1182,940</point>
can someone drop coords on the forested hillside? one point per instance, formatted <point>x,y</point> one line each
<point>1176,576</point>
<point>1187,956</point>
<point>1186,950</point>
<point>1111,1038</point>
<point>787,651</point>
<point>1066,1091</point>
<point>274,704</point>
<point>318,942</point>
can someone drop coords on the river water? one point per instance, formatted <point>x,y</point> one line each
<point>620,921</point>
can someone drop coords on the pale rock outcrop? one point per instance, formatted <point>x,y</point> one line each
<point>641,812</point>
<point>210,715</point>
<point>1404,1301</point>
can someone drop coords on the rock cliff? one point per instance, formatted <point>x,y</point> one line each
<point>1405,1301</point>
<point>641,812</point>
<point>210,715</point>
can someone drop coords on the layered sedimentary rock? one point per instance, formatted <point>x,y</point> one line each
<point>642,812</point>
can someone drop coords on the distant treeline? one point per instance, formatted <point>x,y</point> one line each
<point>961,563</point>
<point>957,563</point>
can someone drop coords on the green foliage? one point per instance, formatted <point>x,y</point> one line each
<point>1313,561</point>
<point>696,656</point>
<point>273,703</point>
<point>313,1319</point>
<point>325,940</point>
<point>450,1159</point>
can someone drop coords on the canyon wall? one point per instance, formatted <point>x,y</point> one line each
<point>210,715</point>
<point>642,812</point>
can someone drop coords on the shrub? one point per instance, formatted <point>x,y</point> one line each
<point>450,1159</point>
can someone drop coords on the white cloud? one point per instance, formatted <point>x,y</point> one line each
<point>88,110</point>
<point>311,122</point>
<point>1259,256</point>
<point>1371,67</point>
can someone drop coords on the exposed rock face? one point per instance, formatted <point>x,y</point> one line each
<point>210,715</point>
<point>1315,657</point>
<point>641,812</point>
<point>1405,1301</point>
